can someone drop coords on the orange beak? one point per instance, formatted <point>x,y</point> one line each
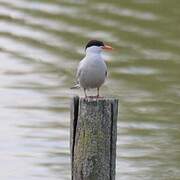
<point>106,47</point>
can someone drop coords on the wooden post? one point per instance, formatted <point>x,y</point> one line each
<point>93,138</point>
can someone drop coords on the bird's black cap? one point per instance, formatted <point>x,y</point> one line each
<point>94,43</point>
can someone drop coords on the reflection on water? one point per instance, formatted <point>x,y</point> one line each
<point>41,43</point>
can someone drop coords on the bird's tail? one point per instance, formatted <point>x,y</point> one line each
<point>77,86</point>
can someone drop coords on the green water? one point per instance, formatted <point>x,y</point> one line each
<point>41,43</point>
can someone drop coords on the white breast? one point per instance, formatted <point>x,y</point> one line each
<point>92,71</point>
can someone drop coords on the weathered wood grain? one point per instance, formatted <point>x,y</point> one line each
<point>93,138</point>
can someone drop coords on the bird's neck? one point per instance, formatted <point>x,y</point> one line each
<point>93,56</point>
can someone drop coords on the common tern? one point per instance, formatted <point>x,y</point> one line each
<point>92,69</point>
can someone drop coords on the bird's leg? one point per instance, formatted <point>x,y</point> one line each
<point>97,92</point>
<point>85,93</point>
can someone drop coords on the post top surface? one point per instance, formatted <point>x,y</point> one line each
<point>95,99</point>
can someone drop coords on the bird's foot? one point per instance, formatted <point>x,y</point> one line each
<point>99,97</point>
<point>91,96</point>
<point>94,97</point>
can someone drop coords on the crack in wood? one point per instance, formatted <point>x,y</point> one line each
<point>111,142</point>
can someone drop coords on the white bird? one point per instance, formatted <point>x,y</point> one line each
<point>92,69</point>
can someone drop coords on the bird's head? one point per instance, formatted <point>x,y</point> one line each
<point>96,46</point>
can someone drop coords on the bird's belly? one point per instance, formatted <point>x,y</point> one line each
<point>92,78</point>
